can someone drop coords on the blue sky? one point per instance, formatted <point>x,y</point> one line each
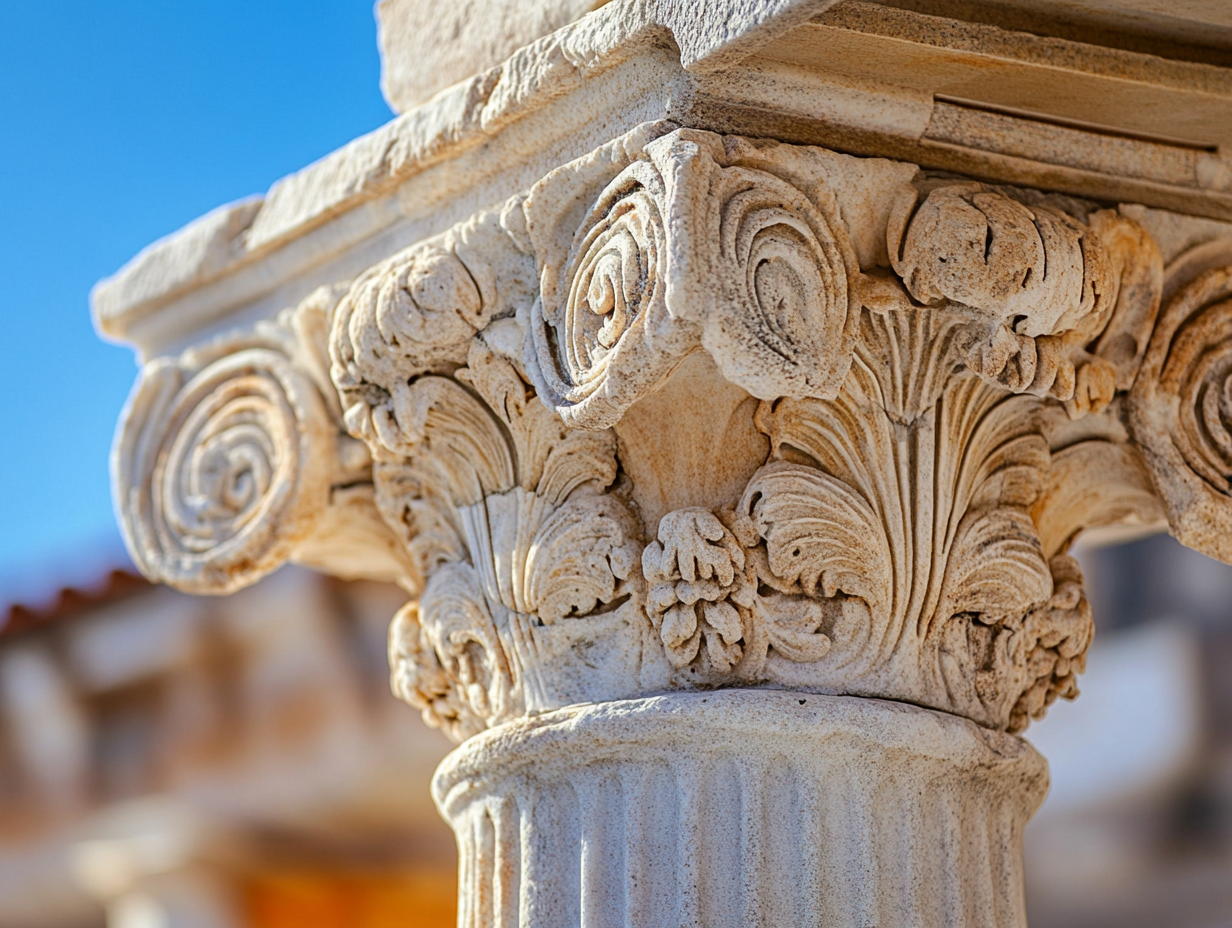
<point>120,121</point>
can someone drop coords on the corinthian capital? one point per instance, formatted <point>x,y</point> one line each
<point>726,396</point>
<point>700,412</point>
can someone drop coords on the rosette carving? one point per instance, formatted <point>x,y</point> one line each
<point>1181,412</point>
<point>975,246</point>
<point>224,460</point>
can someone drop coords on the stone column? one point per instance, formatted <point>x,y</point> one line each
<point>731,483</point>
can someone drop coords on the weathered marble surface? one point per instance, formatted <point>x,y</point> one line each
<point>633,403</point>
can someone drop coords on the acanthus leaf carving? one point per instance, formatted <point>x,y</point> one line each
<point>416,312</point>
<point>821,536</point>
<point>924,526</point>
<point>891,544</point>
<point>510,528</point>
<point>906,362</point>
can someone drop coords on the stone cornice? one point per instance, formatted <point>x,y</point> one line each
<point>747,72</point>
<point>459,118</point>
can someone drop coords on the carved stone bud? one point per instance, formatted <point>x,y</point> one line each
<point>978,247</point>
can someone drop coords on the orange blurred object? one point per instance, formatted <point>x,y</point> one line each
<point>307,899</point>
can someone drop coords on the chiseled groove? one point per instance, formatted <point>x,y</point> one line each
<point>1007,892</point>
<point>690,781</point>
<point>475,878</point>
<point>551,869</point>
<point>900,832</point>
<point>778,901</point>
<point>1009,876</point>
<point>591,824</point>
<point>507,863</point>
<point>804,846</point>
<point>768,833</point>
<point>527,844</point>
<point>636,789</point>
<point>661,818</point>
<point>850,830</point>
<point>750,780</point>
<point>618,869</point>
<point>974,825</point>
<point>603,843</point>
<point>467,863</point>
<point>945,808</point>
<point>485,856</point>
<point>721,883</point>
<point>568,856</point>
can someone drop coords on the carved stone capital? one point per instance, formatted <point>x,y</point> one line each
<point>702,412</point>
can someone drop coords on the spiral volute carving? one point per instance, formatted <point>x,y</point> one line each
<point>223,470</point>
<point>597,314</point>
<point>1200,373</point>
<point>1181,412</point>
<point>782,324</point>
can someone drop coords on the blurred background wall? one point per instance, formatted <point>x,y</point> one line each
<point>1137,829</point>
<point>177,762</point>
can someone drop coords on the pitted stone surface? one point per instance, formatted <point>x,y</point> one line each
<point>669,429</point>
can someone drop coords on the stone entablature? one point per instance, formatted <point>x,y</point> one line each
<point>665,408</point>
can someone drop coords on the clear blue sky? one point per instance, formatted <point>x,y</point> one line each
<point>120,121</point>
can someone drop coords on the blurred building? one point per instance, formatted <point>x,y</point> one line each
<point>1137,830</point>
<point>168,761</point>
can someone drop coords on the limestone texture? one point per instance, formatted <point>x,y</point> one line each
<point>683,383</point>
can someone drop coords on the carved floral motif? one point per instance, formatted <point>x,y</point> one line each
<point>1040,286</point>
<point>695,243</point>
<point>707,602</point>
<point>500,506</point>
